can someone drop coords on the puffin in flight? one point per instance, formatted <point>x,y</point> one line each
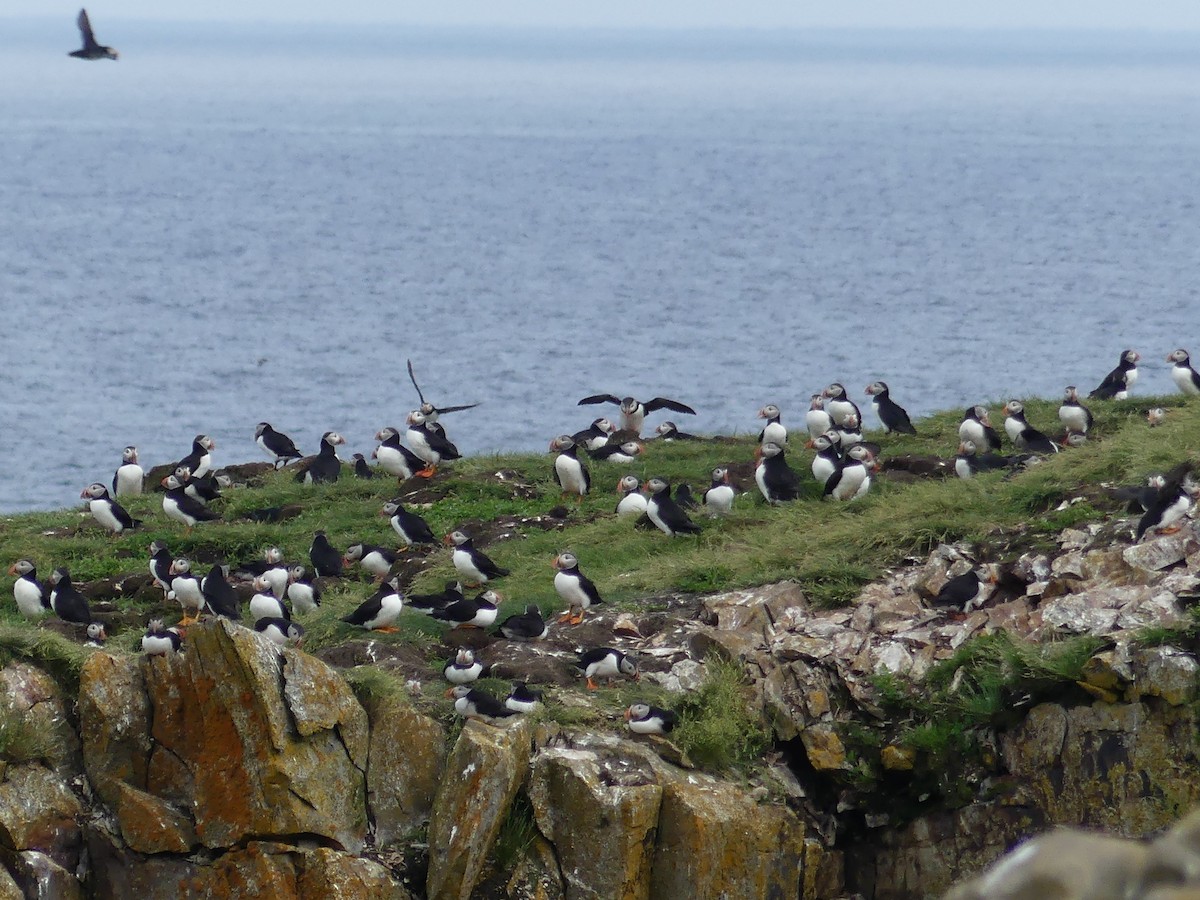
<point>91,49</point>
<point>427,409</point>
<point>634,412</point>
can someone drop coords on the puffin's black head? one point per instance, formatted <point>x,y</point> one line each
<point>1131,357</point>
<point>876,388</point>
<point>94,491</point>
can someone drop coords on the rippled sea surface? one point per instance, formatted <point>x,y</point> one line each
<point>223,228</point>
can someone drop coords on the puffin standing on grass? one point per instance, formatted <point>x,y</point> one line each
<point>107,511</point>
<point>570,473</point>
<point>1074,416</point>
<point>893,416</point>
<point>828,458</point>
<point>129,477</point>
<point>276,444</point>
<point>324,556</point>
<point>470,612</point>
<point>31,597</point>
<point>633,501</point>
<point>409,527</point>
<point>1116,384</point>
<point>817,420</point>
<point>574,587</point>
<point>394,458</point>
<point>1022,434</point>
<point>852,479</point>
<point>473,566</point>
<point>379,611</point>
<point>430,445</point>
<point>664,512</point>
<point>304,594</point>
<point>325,467</point>
<point>160,565</point>
<point>1185,377</point>
<point>376,560</point>
<point>624,454</point>
<point>634,412</point>
<point>839,405</point>
<point>266,604</point>
<point>976,427</point>
<point>718,499</point>
<point>776,480</point>
<point>182,508</point>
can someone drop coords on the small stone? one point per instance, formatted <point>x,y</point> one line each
<point>898,759</point>
<point>825,750</point>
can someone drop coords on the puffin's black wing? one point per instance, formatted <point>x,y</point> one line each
<point>449,409</point>
<point>488,567</point>
<point>958,590</point>
<point>683,496</point>
<point>440,445</point>
<point>993,437</point>
<point>663,403</point>
<point>122,515</point>
<point>85,29</point>
<point>1113,383</point>
<point>413,379</point>
<point>599,398</point>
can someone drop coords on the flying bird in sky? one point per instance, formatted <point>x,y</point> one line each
<point>91,49</point>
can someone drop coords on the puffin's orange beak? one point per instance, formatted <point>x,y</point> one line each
<point>449,692</point>
<point>12,570</point>
<point>447,540</point>
<point>628,715</point>
<point>554,563</point>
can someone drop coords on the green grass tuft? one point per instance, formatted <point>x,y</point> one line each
<point>717,728</point>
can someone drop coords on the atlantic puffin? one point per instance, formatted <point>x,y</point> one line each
<point>160,640</point>
<point>107,511</point>
<point>839,405</point>
<point>70,605</point>
<point>376,560</point>
<point>776,480</point>
<point>665,512</point>
<point>362,469</point>
<point>219,594</point>
<point>475,704</point>
<point>1185,377</point>
<point>379,611</point>
<point>325,558</point>
<point>606,662</point>
<point>276,573</point>
<point>634,412</point>
<point>595,435</point>
<point>570,473</point>
<point>774,431</point>
<point>526,626</point>
<point>817,420</point>
<point>891,414</point>
<point>852,478</point>
<point>522,698</point>
<point>1116,384</point>
<point>969,463</point>
<point>303,592</point>
<point>1022,434</point>
<point>160,565</point>
<point>718,499</point>
<point>394,458</point>
<point>129,477</point>
<point>1139,497</point>
<point>633,501</point>
<point>624,454</point>
<point>641,718</point>
<point>828,458</point>
<point>463,669</point>
<point>199,460</point>
<point>976,427</point>
<point>32,599</point>
<point>182,508</point>
<point>668,431</point>
<point>1073,414</point>
<point>325,467</point>
<point>280,632</point>
<point>574,587</point>
<point>684,498</point>
<point>91,49</point>
<point>276,444</point>
<point>205,489</point>
<point>966,591</point>
<point>427,409</point>
<point>1173,502</point>
<point>409,527</point>
<point>266,604</point>
<point>470,612</point>
<point>1156,416</point>
<point>473,566</point>
<point>185,586</point>
<point>427,603</point>
<point>430,445</point>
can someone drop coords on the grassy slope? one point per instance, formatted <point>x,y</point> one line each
<point>832,549</point>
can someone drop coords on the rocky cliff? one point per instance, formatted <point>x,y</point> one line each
<point>910,745</point>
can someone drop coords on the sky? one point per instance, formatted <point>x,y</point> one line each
<point>1159,15</point>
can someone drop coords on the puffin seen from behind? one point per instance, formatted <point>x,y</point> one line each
<point>1116,384</point>
<point>362,469</point>
<point>276,444</point>
<point>1185,377</point>
<point>574,587</point>
<point>379,611</point>
<point>219,595</point>
<point>325,467</point>
<point>893,416</point>
<point>325,558</point>
<point>160,565</point>
<point>29,593</point>
<point>570,473</point>
<point>129,477</point>
<point>474,566</point>
<point>522,698</point>
<point>776,480</point>
<point>107,511</point>
<point>664,512</point>
<point>634,412</point>
<point>526,626</point>
<point>91,48</point>
<point>967,591</point>
<point>71,606</point>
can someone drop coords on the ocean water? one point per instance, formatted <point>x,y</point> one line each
<point>229,226</point>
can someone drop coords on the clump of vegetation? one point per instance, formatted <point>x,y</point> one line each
<point>516,835</point>
<point>717,727</point>
<point>51,652</point>
<point>23,740</point>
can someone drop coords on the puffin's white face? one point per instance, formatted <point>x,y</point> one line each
<point>332,438</point>
<point>814,402</point>
<point>59,574</point>
<point>832,436</point>
<point>770,449</point>
<point>638,711</point>
<point>629,405</point>
<point>628,665</point>
<point>850,423</point>
<point>821,443</point>
<point>666,428</point>
<point>295,573</point>
<point>394,583</point>
<point>389,509</point>
<point>415,418</point>
<point>172,483</point>
<point>1179,357</point>
<point>631,448</point>
<point>273,555</point>
<point>355,551</point>
<point>384,434</point>
<point>94,491</point>
<point>458,538</point>
<point>95,632</point>
<point>492,597</point>
<point>129,455</point>
<point>1156,416</point>
<point>1132,356</point>
<point>605,425</point>
<point>1075,439</point>
<point>876,387</point>
<point>859,452</point>
<point>427,410</point>
<point>565,560</point>
<point>562,442</point>
<point>967,447</point>
<point>628,484</point>
<point>464,657</point>
<point>654,485</point>
<point>720,473</point>
<point>21,567</point>
<point>261,585</point>
<point>459,691</point>
<point>770,411</point>
<point>180,566</point>
<point>1014,407</point>
<point>834,390</point>
<point>183,474</point>
<point>1070,393</point>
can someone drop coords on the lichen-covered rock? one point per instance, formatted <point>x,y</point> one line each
<point>8,888</point>
<point>35,696</point>
<point>824,748</point>
<point>233,735</point>
<point>1165,672</point>
<point>38,812</point>
<point>537,875</point>
<point>482,775</point>
<point>1159,552</point>
<point>714,841</point>
<point>39,877</point>
<point>599,810</point>
<point>329,874</point>
<point>407,756</point>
